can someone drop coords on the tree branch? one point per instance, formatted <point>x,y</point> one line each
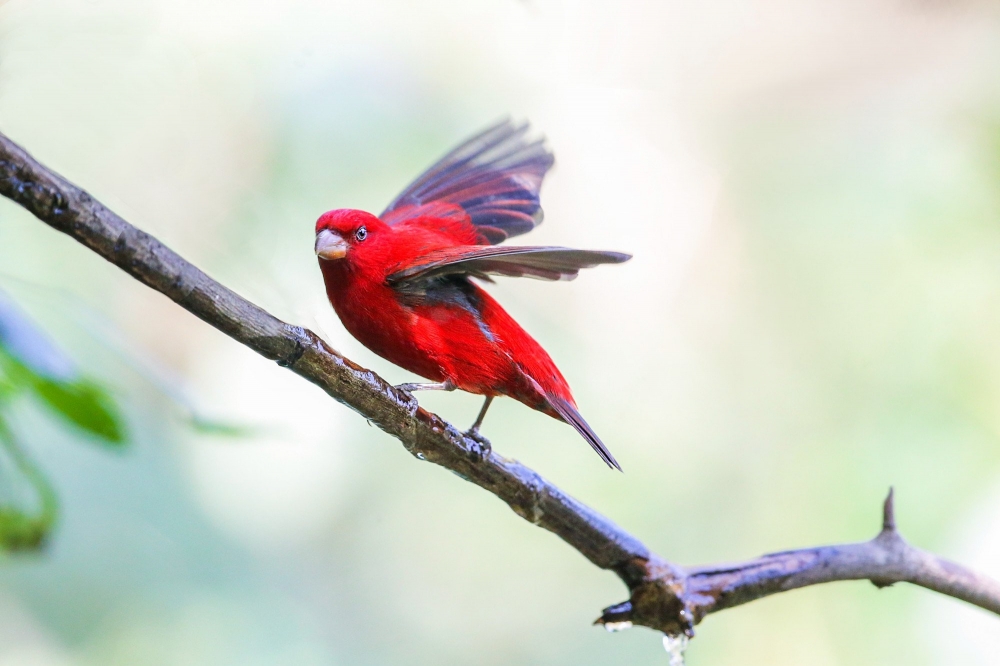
<point>885,560</point>
<point>664,596</point>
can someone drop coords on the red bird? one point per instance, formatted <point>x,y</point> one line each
<point>401,283</point>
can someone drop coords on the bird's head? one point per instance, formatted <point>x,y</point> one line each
<point>340,232</point>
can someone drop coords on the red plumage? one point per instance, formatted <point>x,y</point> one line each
<point>401,283</point>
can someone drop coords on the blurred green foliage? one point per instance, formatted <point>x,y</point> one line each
<point>26,372</point>
<point>21,529</point>
<point>82,402</point>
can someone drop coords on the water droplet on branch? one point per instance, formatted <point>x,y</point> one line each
<point>617,626</point>
<point>675,647</point>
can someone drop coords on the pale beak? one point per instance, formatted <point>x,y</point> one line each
<point>330,246</point>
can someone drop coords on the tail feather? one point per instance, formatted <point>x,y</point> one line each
<point>570,415</point>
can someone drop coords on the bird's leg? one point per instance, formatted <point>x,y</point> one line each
<point>474,430</point>
<point>446,385</point>
<point>485,447</point>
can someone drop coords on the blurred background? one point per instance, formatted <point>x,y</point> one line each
<point>810,189</point>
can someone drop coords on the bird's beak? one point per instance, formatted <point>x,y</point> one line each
<point>330,246</point>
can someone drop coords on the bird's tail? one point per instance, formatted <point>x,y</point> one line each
<point>571,415</point>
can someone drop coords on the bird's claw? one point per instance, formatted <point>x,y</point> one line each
<point>483,450</point>
<point>411,400</point>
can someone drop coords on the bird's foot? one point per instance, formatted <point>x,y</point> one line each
<point>447,385</point>
<point>409,388</point>
<point>483,449</point>
<point>411,400</point>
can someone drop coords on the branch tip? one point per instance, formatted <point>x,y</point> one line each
<point>889,512</point>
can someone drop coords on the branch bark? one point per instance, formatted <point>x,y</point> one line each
<point>664,596</point>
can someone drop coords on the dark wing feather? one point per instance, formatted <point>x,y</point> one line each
<point>546,263</point>
<point>494,177</point>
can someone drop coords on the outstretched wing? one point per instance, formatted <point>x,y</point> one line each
<point>494,178</point>
<point>546,263</point>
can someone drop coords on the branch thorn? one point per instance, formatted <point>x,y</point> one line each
<point>889,512</point>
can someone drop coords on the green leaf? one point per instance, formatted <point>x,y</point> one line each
<point>207,426</point>
<point>19,528</point>
<point>84,404</point>
<point>29,360</point>
<point>21,531</point>
<point>8,389</point>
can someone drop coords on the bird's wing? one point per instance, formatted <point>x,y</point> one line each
<point>546,263</point>
<point>494,178</point>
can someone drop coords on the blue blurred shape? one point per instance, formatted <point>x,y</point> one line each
<point>28,344</point>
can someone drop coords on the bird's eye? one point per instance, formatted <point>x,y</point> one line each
<point>361,234</point>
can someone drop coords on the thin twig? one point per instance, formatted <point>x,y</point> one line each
<point>664,596</point>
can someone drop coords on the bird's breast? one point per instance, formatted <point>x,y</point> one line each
<point>375,316</point>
